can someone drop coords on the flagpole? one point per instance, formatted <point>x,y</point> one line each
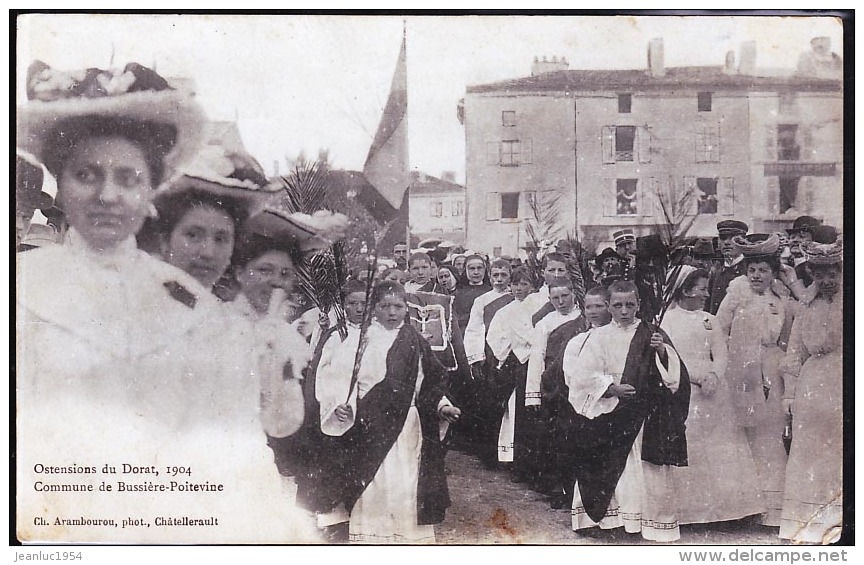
<point>407,174</point>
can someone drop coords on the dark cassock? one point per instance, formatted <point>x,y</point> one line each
<point>485,406</point>
<point>554,404</point>
<point>550,337</point>
<point>624,449</point>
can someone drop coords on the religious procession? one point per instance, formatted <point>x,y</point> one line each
<point>183,309</point>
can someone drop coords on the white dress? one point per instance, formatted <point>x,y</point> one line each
<point>120,374</point>
<point>643,500</point>
<point>386,512</point>
<point>720,480</point>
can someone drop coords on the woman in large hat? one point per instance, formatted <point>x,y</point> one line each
<point>127,371</point>
<point>813,375</point>
<point>757,319</point>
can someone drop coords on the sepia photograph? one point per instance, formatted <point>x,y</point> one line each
<point>430,279</point>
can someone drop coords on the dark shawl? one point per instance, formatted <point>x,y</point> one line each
<point>350,463</point>
<point>600,446</point>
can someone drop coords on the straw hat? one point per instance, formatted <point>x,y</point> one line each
<point>757,244</point>
<point>134,93</point>
<point>824,253</point>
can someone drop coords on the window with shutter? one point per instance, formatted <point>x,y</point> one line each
<point>708,143</point>
<point>788,193</point>
<point>607,141</point>
<point>510,153</point>
<point>526,152</point>
<point>643,144</point>
<point>690,189</point>
<point>609,197</point>
<point>706,195</point>
<point>625,143</point>
<point>726,196</point>
<point>510,205</point>
<point>493,206</point>
<point>648,189</point>
<point>493,152</point>
<point>626,197</point>
<point>529,204</point>
<point>788,147</point>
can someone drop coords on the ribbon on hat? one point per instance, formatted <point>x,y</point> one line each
<point>683,272</point>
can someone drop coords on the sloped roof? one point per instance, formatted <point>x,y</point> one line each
<point>639,79</point>
<point>434,185</point>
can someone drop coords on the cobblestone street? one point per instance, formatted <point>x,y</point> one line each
<point>490,509</point>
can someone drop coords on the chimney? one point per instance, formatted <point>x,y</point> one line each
<point>748,58</point>
<point>729,67</point>
<point>538,67</point>
<point>449,176</point>
<point>656,67</point>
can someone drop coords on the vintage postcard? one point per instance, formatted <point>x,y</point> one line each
<point>428,279</point>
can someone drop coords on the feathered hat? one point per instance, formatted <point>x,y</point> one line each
<point>135,93</point>
<point>306,232</point>
<point>226,175</point>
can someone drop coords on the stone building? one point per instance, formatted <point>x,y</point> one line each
<point>597,150</point>
<point>436,207</point>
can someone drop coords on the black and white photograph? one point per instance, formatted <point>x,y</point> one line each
<point>430,279</point>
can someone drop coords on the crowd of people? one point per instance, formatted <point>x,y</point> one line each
<point>643,388</point>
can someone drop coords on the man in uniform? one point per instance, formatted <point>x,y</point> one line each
<point>800,234</point>
<point>733,262</point>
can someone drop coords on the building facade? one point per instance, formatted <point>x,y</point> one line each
<point>592,151</point>
<point>436,207</point>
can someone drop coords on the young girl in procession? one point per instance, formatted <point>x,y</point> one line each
<point>813,374</point>
<point>719,482</point>
<point>114,338</point>
<point>757,322</point>
<point>388,468</point>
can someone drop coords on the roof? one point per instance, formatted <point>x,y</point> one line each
<point>433,185</point>
<point>639,79</point>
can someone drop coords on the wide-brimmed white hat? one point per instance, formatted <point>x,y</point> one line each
<point>231,175</point>
<point>306,232</point>
<point>135,93</point>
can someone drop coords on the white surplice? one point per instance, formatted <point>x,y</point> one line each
<point>642,502</point>
<point>475,332</point>
<point>537,359</point>
<point>509,331</point>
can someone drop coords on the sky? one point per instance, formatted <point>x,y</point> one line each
<point>300,83</point>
